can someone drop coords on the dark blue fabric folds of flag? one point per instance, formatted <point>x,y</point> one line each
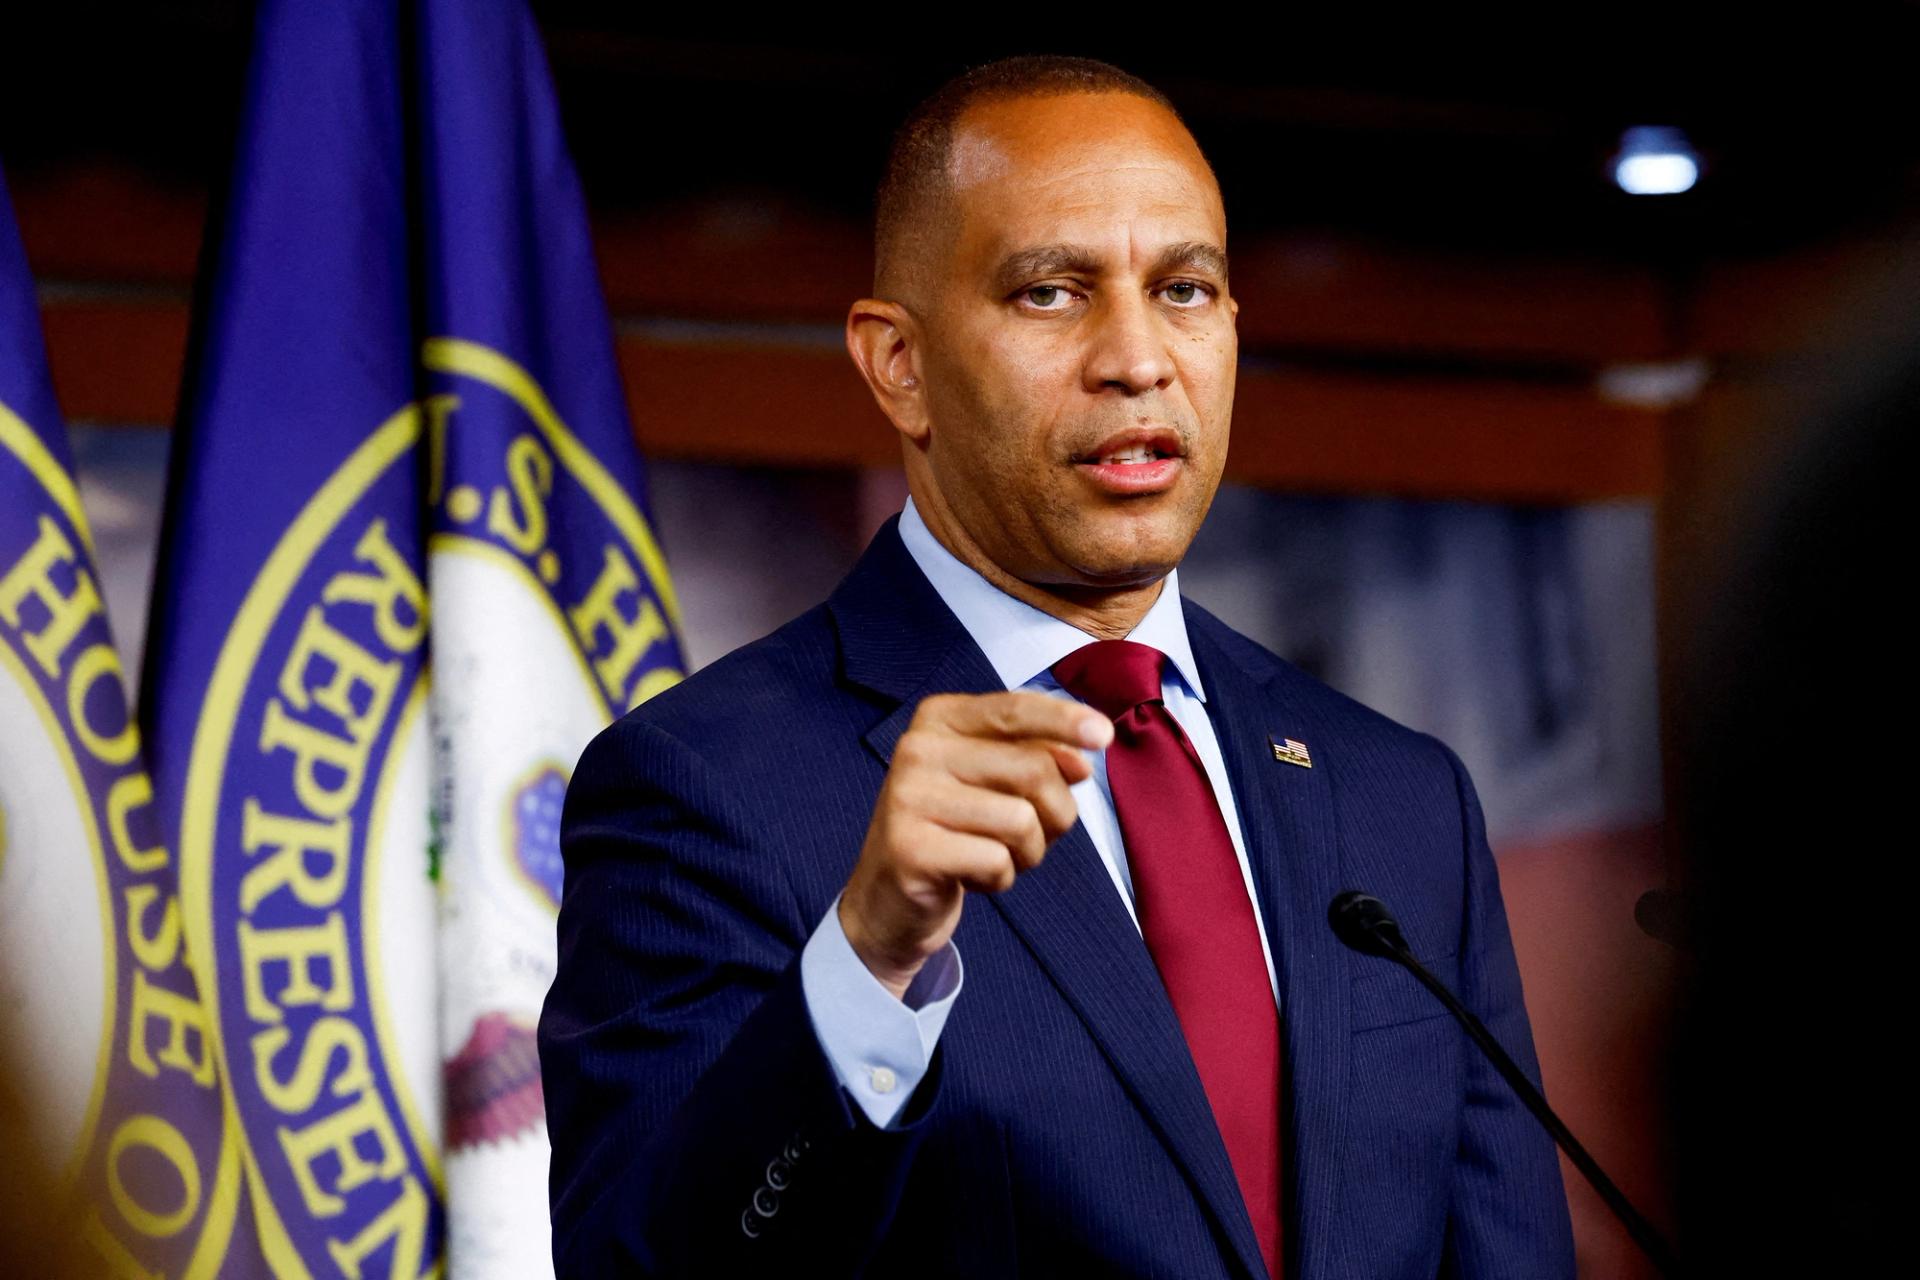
<point>24,385</point>
<point>400,332</point>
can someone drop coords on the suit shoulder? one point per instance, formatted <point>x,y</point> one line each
<point>1330,712</point>
<point>748,695</point>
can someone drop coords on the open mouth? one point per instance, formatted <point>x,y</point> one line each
<point>1140,446</point>
<point>1135,463</point>
<point>1132,456</point>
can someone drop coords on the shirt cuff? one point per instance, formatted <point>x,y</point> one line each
<point>880,1046</point>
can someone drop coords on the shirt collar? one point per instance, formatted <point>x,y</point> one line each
<point>1021,642</point>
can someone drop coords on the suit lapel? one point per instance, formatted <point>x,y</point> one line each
<point>1070,917</point>
<point>900,640</point>
<point>1286,815</point>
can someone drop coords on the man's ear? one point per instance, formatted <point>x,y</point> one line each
<point>884,340</point>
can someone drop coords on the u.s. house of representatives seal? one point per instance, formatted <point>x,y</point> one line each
<point>552,615</point>
<point>324,777</point>
<point>110,1035</point>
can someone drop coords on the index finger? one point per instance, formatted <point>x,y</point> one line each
<point>1020,714</point>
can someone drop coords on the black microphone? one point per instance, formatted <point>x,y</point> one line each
<point>1365,924</point>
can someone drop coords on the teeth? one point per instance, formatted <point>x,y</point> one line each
<point>1138,453</point>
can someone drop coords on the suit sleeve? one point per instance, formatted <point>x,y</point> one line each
<point>1509,1211</point>
<point>697,1126</point>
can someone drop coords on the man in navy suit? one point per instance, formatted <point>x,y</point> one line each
<point>1007,756</point>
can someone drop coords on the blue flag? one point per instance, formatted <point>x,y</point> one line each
<point>108,1036</point>
<point>407,575</point>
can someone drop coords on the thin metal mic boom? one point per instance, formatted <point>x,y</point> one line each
<point>1365,924</point>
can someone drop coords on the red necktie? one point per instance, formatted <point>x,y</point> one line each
<point>1194,913</point>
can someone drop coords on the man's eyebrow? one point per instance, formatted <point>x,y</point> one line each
<point>1192,255</point>
<point>1044,260</point>
<point>1076,260</point>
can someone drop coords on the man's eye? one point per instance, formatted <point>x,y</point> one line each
<point>1183,293</point>
<point>1044,296</point>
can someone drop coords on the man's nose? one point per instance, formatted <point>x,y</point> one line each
<point>1131,350</point>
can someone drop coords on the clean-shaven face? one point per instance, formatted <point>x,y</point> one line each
<point>1081,354</point>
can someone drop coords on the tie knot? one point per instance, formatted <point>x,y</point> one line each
<point>1114,676</point>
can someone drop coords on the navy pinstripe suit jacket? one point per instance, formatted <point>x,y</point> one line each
<point>698,1128</point>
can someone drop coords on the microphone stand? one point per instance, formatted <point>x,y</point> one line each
<point>1364,924</point>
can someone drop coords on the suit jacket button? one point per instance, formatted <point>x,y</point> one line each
<point>749,1224</point>
<point>796,1147</point>
<point>777,1171</point>
<point>765,1203</point>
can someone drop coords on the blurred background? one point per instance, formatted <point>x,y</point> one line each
<point>1536,327</point>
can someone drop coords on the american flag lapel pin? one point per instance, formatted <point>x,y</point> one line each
<point>1291,751</point>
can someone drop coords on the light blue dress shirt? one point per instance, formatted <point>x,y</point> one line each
<point>879,1046</point>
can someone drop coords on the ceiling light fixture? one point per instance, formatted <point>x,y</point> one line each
<point>1655,160</point>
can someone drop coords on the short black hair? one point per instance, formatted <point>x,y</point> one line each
<point>917,162</point>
